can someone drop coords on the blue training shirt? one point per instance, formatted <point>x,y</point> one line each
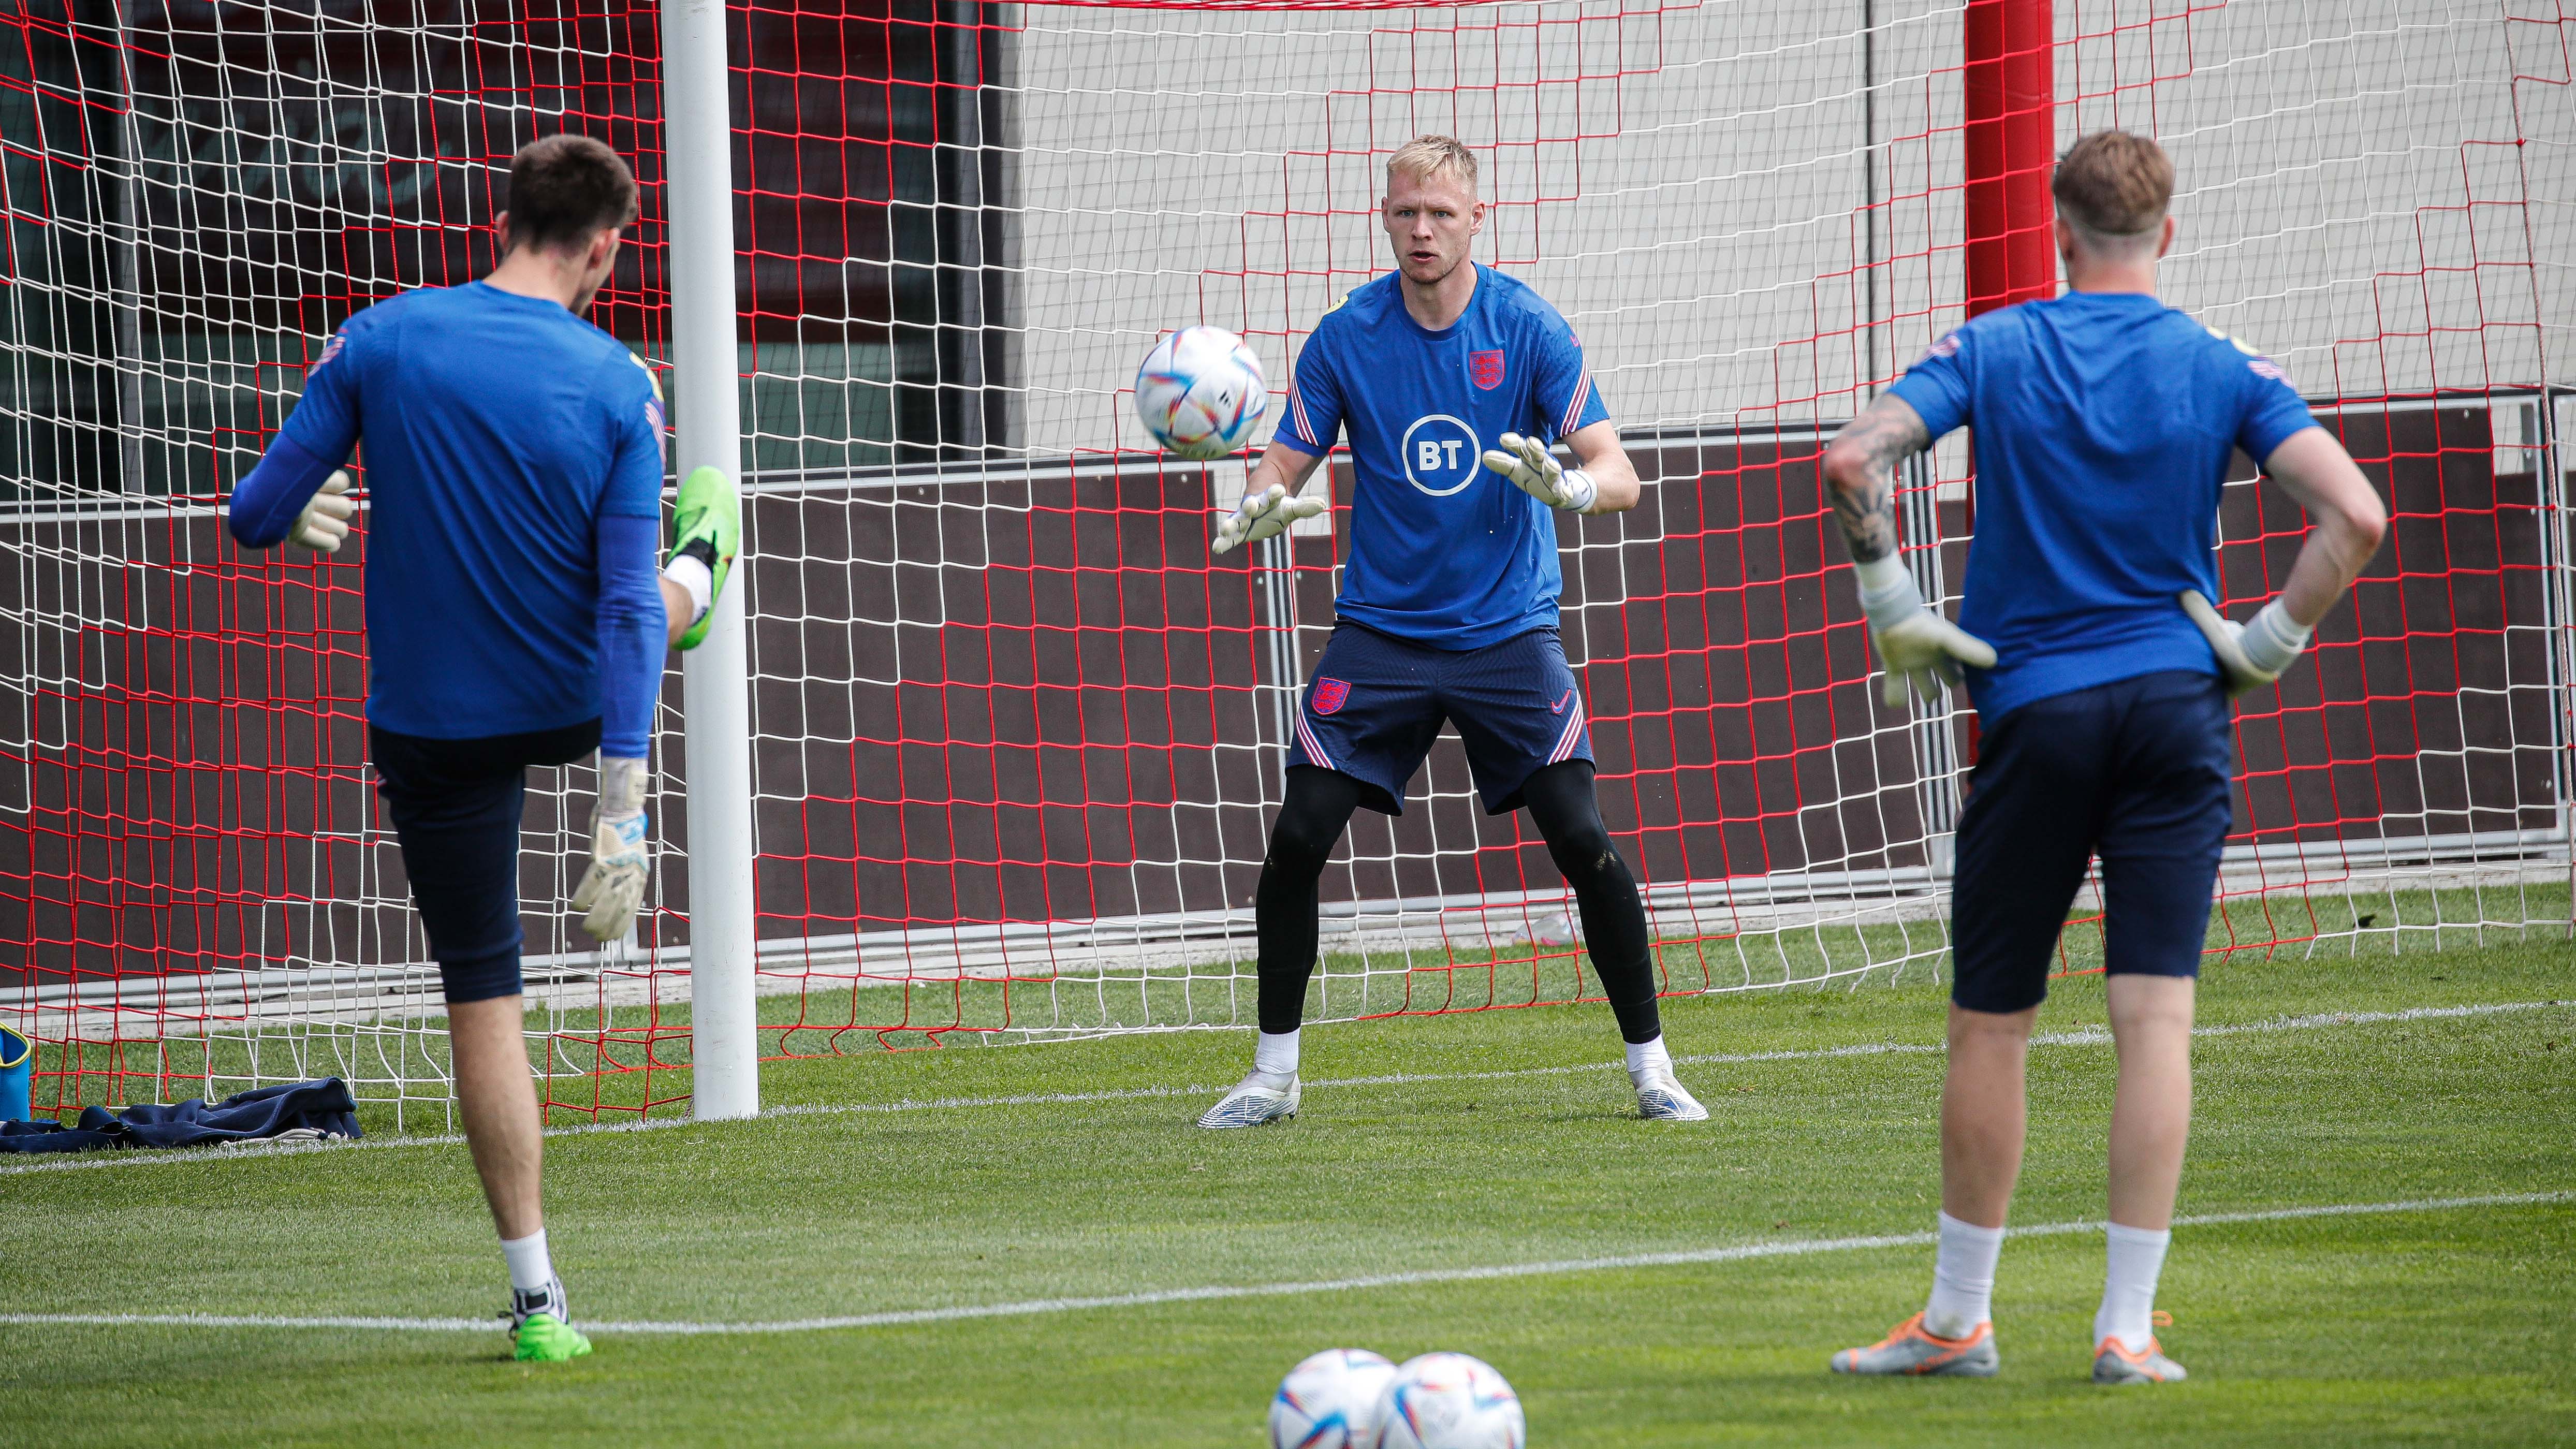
<point>500,430</point>
<point>1443,551</point>
<point>2104,422</point>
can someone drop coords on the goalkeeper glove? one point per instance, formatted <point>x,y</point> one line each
<point>619,859</point>
<point>1263,514</point>
<point>1915,644</point>
<point>325,520</point>
<point>2251,654</point>
<point>1530,466</point>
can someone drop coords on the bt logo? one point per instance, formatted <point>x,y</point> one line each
<point>1441,455</point>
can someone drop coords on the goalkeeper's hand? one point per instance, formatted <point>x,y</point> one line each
<point>1535,471</point>
<point>1917,646</point>
<point>1262,514</point>
<point>325,520</point>
<point>619,858</point>
<point>2252,654</point>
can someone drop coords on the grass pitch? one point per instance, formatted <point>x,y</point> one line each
<point>2430,1326</point>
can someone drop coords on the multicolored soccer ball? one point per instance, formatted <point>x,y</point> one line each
<point>1201,393</point>
<point>1448,1401</point>
<point>1330,1401</point>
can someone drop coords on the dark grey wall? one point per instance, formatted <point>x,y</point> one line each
<point>979,702</point>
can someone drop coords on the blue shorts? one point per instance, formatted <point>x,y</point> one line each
<point>455,806</point>
<point>1376,703</point>
<point>2138,771</point>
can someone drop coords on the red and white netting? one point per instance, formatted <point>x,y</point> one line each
<point>1015,735</point>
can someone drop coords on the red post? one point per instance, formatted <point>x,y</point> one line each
<point>2011,146</point>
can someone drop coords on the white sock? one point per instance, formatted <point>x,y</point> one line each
<point>530,1269</point>
<point>698,579</point>
<point>1645,1057</point>
<point>1276,1055</point>
<point>1963,1279</point>
<point>2131,1263</point>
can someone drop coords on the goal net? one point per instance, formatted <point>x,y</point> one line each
<point>1016,736</point>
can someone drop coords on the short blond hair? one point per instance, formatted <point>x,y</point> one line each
<point>2114,186</point>
<point>1429,158</point>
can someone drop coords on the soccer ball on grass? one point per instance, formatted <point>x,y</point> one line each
<point>1448,1401</point>
<point>1330,1401</point>
<point>1201,393</point>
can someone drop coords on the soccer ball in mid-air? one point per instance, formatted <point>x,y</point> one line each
<point>1201,393</point>
<point>1330,1401</point>
<point>1448,1401</point>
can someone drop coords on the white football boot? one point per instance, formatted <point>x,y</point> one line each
<point>1257,1099</point>
<point>1910,1348</point>
<point>2113,1363</point>
<point>1660,1098</point>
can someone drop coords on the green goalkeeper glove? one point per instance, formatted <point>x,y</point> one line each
<point>1915,644</point>
<point>1262,514</point>
<point>1535,471</point>
<point>620,860</point>
<point>325,520</point>
<point>2251,654</point>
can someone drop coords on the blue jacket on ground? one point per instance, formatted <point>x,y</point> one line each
<point>320,1109</point>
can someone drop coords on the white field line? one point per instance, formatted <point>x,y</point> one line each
<point>2084,1037</point>
<point>1735,1253</point>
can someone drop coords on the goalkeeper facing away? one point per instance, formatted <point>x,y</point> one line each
<point>514,473</point>
<point>2104,424</point>
<point>1452,380</point>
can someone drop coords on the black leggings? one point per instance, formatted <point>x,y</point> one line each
<point>455,806</point>
<point>1560,802</point>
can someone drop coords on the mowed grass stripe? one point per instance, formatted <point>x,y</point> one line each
<point>2086,1037</point>
<point>1733,1253</point>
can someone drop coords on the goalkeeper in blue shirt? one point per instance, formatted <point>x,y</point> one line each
<point>2104,424</point>
<point>514,616</point>
<point>1452,381</point>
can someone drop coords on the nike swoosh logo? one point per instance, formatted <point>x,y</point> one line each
<point>1559,706</point>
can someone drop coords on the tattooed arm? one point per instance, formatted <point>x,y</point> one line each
<point>1860,474</point>
<point>1918,647</point>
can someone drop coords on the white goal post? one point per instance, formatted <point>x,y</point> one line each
<point>724,1022</point>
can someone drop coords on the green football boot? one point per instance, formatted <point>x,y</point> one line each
<point>545,1338</point>
<point>707,521</point>
<point>541,1328</point>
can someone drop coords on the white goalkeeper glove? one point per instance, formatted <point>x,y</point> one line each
<point>1916,645</point>
<point>1262,514</point>
<point>325,520</point>
<point>619,859</point>
<point>2251,654</point>
<point>1532,468</point>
